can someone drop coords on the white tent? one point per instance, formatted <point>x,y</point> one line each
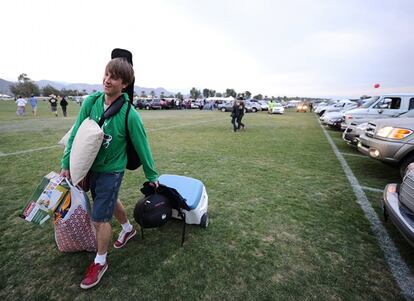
<point>220,99</point>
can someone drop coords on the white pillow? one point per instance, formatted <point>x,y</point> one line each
<point>85,147</point>
<point>64,140</point>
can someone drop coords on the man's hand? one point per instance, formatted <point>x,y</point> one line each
<point>65,173</point>
<point>154,184</point>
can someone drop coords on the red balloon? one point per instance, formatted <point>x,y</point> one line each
<point>376,86</point>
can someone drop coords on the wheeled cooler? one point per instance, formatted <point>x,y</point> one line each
<point>195,195</point>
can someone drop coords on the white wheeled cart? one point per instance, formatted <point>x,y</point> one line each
<point>195,195</point>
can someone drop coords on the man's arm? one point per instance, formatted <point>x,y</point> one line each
<point>141,145</point>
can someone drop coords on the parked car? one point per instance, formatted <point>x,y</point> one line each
<point>353,131</point>
<point>384,106</point>
<point>263,105</point>
<point>390,140</point>
<point>154,104</point>
<point>252,106</point>
<point>322,105</point>
<point>339,106</point>
<point>334,119</point>
<point>139,103</point>
<point>398,205</point>
<point>277,108</point>
<point>225,106</point>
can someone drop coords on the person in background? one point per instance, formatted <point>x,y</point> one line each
<point>33,103</point>
<point>240,114</point>
<point>53,104</point>
<point>271,105</point>
<point>108,168</point>
<point>21,106</point>
<point>234,114</point>
<point>64,104</point>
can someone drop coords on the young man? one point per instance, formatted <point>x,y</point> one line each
<point>21,106</point>
<point>33,103</point>
<point>53,104</point>
<point>108,168</point>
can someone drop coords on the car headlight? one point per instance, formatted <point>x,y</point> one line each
<point>362,126</point>
<point>393,133</point>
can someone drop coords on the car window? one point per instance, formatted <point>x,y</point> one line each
<point>389,103</point>
<point>411,106</point>
<point>368,102</point>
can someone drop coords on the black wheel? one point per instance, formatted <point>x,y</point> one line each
<point>405,163</point>
<point>223,109</point>
<point>254,110</point>
<point>147,107</point>
<point>204,220</point>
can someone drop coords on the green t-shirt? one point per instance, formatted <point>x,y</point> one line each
<point>112,156</point>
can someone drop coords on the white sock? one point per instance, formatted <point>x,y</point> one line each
<point>100,259</point>
<point>127,227</point>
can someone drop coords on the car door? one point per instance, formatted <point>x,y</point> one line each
<point>388,106</point>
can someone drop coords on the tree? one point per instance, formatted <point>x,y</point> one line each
<point>230,92</point>
<point>152,93</point>
<point>218,94</point>
<point>248,94</point>
<point>212,93</point>
<point>48,90</point>
<point>143,94</point>
<point>162,94</point>
<point>24,87</point>
<point>258,97</point>
<point>194,93</point>
<point>179,96</point>
<point>206,92</point>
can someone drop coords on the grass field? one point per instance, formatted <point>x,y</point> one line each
<point>284,222</point>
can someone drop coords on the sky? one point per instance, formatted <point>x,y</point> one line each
<point>305,48</point>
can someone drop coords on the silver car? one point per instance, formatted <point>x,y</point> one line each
<point>390,140</point>
<point>398,205</point>
<point>353,131</point>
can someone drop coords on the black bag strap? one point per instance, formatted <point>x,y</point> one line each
<point>126,123</point>
<point>114,108</point>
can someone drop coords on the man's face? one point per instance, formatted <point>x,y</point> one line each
<point>112,86</point>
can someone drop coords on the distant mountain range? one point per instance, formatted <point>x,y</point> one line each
<point>88,88</point>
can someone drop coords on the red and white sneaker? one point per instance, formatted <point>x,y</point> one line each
<point>93,275</point>
<point>124,237</point>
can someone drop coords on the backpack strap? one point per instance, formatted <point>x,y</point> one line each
<point>114,108</point>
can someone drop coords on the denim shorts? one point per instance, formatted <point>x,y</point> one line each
<point>104,190</point>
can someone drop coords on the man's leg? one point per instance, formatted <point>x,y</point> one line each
<point>99,266</point>
<point>128,230</point>
<point>103,236</point>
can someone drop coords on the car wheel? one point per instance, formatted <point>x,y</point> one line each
<point>223,109</point>
<point>405,163</point>
<point>204,220</point>
<point>147,107</point>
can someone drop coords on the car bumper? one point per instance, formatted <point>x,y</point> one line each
<point>278,111</point>
<point>383,150</point>
<point>399,214</point>
<point>334,123</point>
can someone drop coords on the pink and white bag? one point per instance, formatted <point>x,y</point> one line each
<point>75,232</point>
